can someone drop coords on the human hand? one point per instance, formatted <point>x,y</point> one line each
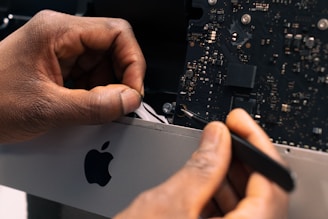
<point>99,54</point>
<point>215,185</point>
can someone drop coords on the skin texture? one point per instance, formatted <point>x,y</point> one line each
<point>100,55</point>
<point>215,185</point>
<point>102,61</point>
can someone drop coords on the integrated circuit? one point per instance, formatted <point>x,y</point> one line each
<point>269,57</point>
<point>241,75</point>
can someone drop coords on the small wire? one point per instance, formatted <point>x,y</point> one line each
<point>193,116</point>
<point>147,113</point>
<point>151,113</point>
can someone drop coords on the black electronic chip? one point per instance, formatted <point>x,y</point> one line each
<point>241,75</point>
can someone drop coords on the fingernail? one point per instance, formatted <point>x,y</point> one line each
<point>142,92</point>
<point>131,100</point>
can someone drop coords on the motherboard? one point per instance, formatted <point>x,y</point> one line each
<point>269,57</point>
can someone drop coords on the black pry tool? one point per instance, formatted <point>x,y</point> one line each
<point>254,158</point>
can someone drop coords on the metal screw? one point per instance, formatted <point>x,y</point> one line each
<point>212,2</point>
<point>246,19</point>
<point>323,24</point>
<point>168,108</point>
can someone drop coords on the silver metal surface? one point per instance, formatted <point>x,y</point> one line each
<point>145,154</point>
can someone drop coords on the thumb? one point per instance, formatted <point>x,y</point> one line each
<point>100,105</point>
<point>198,180</point>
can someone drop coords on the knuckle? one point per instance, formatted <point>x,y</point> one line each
<point>103,107</point>
<point>95,109</point>
<point>44,17</point>
<point>203,160</point>
<point>44,13</point>
<point>124,24</point>
<point>120,24</point>
<point>39,29</point>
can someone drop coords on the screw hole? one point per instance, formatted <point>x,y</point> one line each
<point>287,151</point>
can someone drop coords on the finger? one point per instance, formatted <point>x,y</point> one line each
<point>194,185</point>
<point>100,75</point>
<point>86,63</point>
<point>263,198</point>
<point>238,176</point>
<point>226,197</point>
<point>101,34</point>
<point>211,209</point>
<point>99,105</point>
<point>240,122</point>
<point>128,59</point>
<point>224,200</point>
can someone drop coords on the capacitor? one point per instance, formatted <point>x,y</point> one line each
<point>288,40</point>
<point>285,108</point>
<point>309,42</point>
<point>234,36</point>
<point>317,130</point>
<point>297,42</point>
<point>189,73</point>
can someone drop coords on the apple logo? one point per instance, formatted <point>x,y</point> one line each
<point>96,165</point>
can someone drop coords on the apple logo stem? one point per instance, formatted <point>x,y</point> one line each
<point>96,165</point>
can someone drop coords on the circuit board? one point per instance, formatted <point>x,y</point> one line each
<point>269,57</point>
